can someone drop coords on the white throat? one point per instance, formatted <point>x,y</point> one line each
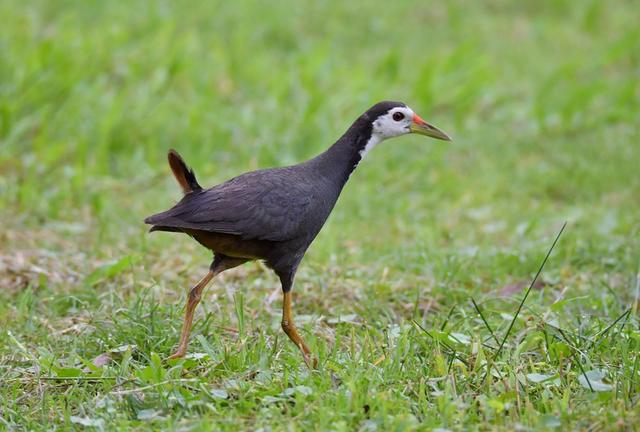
<point>373,141</point>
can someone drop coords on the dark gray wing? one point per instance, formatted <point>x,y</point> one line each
<point>270,204</point>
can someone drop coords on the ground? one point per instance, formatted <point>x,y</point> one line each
<point>413,285</point>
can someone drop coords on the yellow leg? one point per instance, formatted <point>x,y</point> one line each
<point>194,298</point>
<point>290,329</point>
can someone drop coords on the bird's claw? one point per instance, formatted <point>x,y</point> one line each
<point>311,361</point>
<point>176,355</point>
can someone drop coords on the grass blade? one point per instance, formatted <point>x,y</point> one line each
<point>526,294</point>
<point>475,305</point>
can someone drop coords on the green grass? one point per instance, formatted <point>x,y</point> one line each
<point>542,99</point>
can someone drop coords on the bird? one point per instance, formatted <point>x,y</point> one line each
<point>274,214</point>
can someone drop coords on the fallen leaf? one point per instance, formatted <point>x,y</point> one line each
<point>123,348</point>
<point>148,414</point>
<point>347,319</point>
<point>219,394</point>
<point>518,287</point>
<point>543,378</point>
<point>297,389</point>
<point>460,338</point>
<point>595,379</point>
<point>101,360</point>
<point>86,421</point>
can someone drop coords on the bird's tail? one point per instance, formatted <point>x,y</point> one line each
<point>183,174</point>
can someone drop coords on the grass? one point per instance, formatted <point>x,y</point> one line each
<point>411,287</point>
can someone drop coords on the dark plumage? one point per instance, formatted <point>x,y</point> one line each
<point>274,214</point>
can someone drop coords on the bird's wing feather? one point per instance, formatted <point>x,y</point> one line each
<point>265,205</point>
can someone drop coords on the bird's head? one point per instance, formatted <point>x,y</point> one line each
<point>392,119</point>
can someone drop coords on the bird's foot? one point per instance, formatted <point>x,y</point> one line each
<point>312,363</point>
<point>309,359</point>
<point>177,355</point>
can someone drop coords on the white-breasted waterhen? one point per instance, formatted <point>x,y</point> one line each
<point>274,214</point>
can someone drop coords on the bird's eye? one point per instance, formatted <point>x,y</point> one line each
<point>397,116</point>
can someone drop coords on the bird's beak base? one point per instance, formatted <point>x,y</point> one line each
<point>421,127</point>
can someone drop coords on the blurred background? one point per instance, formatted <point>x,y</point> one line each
<point>542,99</point>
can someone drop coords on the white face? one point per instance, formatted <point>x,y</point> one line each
<point>396,122</point>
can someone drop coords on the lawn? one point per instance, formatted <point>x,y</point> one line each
<point>410,295</point>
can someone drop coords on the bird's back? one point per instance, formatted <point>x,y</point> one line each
<point>276,204</point>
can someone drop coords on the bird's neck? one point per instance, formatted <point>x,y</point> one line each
<point>342,158</point>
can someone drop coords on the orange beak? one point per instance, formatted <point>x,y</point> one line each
<point>421,127</point>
